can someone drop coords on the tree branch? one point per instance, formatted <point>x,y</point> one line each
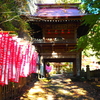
<point>9,19</point>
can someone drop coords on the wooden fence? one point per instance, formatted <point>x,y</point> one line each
<point>13,91</point>
<point>93,74</point>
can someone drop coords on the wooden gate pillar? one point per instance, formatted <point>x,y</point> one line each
<point>78,63</point>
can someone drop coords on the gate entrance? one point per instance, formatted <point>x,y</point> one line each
<point>62,66</point>
<point>60,28</point>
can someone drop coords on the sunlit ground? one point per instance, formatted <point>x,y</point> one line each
<point>57,89</point>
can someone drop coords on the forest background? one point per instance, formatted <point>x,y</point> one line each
<point>10,20</point>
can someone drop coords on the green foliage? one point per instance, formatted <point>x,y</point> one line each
<point>91,6</point>
<point>91,40</point>
<point>10,18</point>
<point>67,67</point>
<point>6,16</point>
<point>70,1</point>
<point>91,19</point>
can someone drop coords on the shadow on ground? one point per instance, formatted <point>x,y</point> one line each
<point>60,87</point>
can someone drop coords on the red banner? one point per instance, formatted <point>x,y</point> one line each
<point>4,46</point>
<point>17,58</point>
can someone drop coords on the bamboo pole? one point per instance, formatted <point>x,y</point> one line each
<point>8,31</point>
<point>0,92</point>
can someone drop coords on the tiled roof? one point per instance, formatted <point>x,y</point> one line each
<point>58,12</point>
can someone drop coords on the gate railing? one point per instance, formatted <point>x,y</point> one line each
<point>13,91</point>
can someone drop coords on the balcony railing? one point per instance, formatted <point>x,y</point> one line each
<point>51,40</point>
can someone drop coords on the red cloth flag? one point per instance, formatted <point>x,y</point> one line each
<point>16,59</point>
<point>18,64</point>
<point>1,56</point>
<point>11,67</point>
<point>4,52</point>
<point>34,62</point>
<point>8,66</point>
<point>10,70</point>
<point>7,59</point>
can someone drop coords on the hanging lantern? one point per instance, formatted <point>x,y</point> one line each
<point>62,31</point>
<point>56,32</point>
<point>49,32</point>
<point>68,32</point>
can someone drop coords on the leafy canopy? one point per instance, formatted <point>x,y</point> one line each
<point>70,1</point>
<point>92,39</point>
<point>10,17</point>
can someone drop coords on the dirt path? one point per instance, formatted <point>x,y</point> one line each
<point>60,88</point>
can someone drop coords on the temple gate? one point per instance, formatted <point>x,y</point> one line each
<point>55,30</point>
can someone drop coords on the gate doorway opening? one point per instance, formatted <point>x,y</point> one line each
<point>62,67</point>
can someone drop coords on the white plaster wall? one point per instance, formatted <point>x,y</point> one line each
<point>50,1</point>
<point>32,7</point>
